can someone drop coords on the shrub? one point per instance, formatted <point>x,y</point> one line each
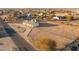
<point>44,43</point>
<point>69,18</point>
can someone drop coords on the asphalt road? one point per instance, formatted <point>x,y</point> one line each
<point>17,39</point>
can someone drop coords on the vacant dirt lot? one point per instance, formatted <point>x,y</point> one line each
<point>61,34</point>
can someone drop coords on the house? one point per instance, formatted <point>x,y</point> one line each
<point>55,18</point>
<point>31,23</point>
<point>4,17</point>
<point>29,16</point>
<point>60,16</point>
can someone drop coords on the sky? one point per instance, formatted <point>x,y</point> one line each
<point>39,4</point>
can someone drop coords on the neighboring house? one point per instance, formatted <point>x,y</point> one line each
<point>40,14</point>
<point>31,23</point>
<point>55,18</point>
<point>25,16</point>
<point>29,16</point>
<point>8,17</point>
<point>4,17</point>
<point>60,16</point>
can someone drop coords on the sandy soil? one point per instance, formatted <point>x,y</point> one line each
<point>61,34</point>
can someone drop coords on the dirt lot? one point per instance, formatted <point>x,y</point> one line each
<point>60,34</point>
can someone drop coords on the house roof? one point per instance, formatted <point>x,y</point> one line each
<point>31,22</point>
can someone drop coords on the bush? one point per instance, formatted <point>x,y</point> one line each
<point>69,18</point>
<point>44,44</point>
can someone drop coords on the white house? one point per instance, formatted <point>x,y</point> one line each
<point>56,18</point>
<point>31,23</point>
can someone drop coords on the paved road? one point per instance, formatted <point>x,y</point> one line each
<point>18,40</point>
